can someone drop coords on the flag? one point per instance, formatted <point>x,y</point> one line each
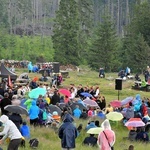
<point>9,82</point>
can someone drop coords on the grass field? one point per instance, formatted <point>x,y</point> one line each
<point>50,141</point>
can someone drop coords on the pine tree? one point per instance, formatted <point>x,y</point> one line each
<point>66,30</point>
<point>104,45</point>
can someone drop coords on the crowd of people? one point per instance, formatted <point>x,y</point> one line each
<point>39,114</point>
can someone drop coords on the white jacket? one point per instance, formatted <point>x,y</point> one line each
<point>10,130</point>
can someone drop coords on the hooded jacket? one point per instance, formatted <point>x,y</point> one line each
<point>67,132</point>
<point>102,140</point>
<point>34,111</point>
<point>10,129</point>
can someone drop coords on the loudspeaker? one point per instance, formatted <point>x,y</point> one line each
<point>118,84</point>
<point>56,67</point>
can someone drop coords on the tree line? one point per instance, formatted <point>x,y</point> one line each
<point>101,33</point>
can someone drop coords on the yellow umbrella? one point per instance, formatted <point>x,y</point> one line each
<point>95,130</point>
<point>114,116</point>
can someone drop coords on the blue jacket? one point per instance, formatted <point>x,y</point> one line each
<point>77,113</point>
<point>91,125</point>
<point>34,110</point>
<point>30,67</point>
<point>67,132</point>
<point>25,131</point>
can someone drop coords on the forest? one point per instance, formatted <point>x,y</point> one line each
<point>100,33</point>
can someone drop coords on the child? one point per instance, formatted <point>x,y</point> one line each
<point>56,117</point>
<point>25,130</point>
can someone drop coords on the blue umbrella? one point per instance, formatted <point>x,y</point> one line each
<point>36,92</point>
<point>86,94</point>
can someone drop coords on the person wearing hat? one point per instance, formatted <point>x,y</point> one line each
<point>11,131</point>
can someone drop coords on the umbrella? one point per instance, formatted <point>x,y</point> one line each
<point>115,103</point>
<point>126,100</point>
<point>62,105</point>
<point>65,92</point>
<point>134,122</point>
<point>91,103</point>
<point>86,94</point>
<point>36,92</point>
<point>16,109</point>
<point>22,103</point>
<point>114,116</point>
<point>81,107</point>
<point>55,108</point>
<point>95,130</point>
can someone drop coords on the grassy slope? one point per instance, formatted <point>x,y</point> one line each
<point>50,141</point>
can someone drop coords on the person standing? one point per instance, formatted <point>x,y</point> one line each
<point>106,138</point>
<point>34,113</point>
<point>4,102</point>
<point>11,131</point>
<point>67,133</point>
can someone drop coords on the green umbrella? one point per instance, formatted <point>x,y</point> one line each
<point>36,92</point>
<point>95,130</point>
<point>114,116</point>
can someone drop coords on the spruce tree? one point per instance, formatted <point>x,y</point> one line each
<point>66,30</point>
<point>104,46</point>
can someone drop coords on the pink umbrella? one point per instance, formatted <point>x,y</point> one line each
<point>90,102</point>
<point>134,122</point>
<point>115,103</point>
<point>65,92</point>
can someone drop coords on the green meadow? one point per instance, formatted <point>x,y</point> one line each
<point>48,139</point>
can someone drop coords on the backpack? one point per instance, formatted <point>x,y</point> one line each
<point>44,115</point>
<point>34,143</point>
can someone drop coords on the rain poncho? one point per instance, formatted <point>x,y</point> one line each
<point>137,102</point>
<point>67,133</point>
<point>30,67</point>
<point>102,141</point>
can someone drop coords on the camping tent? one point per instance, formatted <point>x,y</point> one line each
<point>4,73</point>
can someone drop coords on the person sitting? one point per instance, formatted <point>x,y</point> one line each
<point>142,135</point>
<point>77,112</point>
<point>132,134</point>
<point>109,109</point>
<point>25,130</point>
<point>100,114</point>
<point>90,112</point>
<point>129,112</point>
<point>90,140</point>
<point>97,123</point>
<point>55,116</point>
<point>84,114</point>
<point>91,125</point>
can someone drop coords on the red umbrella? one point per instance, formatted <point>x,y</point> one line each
<point>115,103</point>
<point>65,92</point>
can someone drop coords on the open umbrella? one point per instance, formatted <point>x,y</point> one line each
<point>81,107</point>
<point>114,116</point>
<point>86,94</point>
<point>65,92</point>
<point>36,92</point>
<point>16,109</point>
<point>115,103</point>
<point>91,103</point>
<point>54,108</point>
<point>134,122</point>
<point>126,100</point>
<point>95,130</point>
